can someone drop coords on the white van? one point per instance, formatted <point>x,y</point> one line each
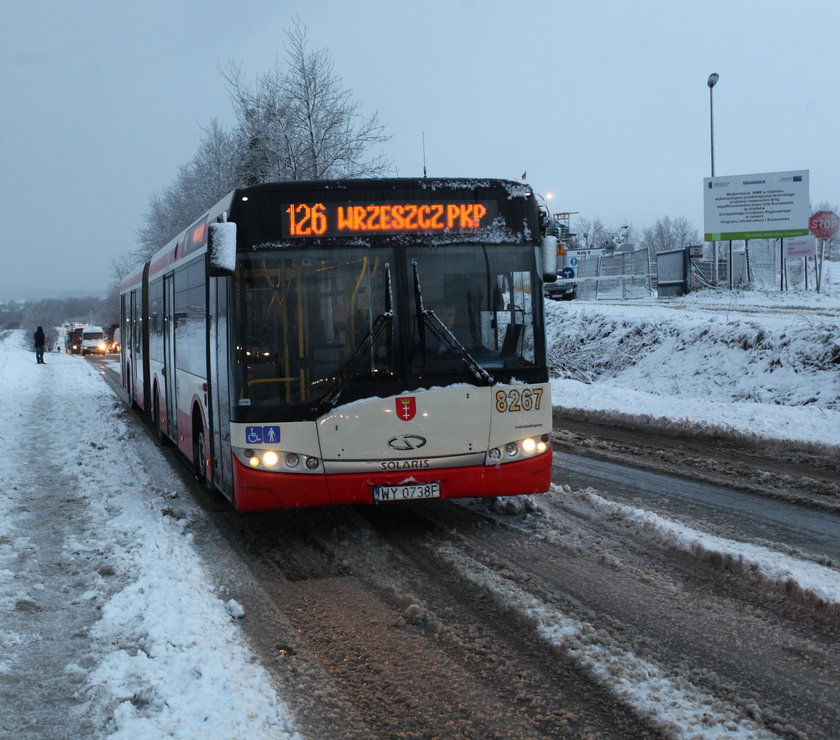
<point>93,341</point>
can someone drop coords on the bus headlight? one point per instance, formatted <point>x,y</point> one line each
<point>279,461</point>
<point>518,450</point>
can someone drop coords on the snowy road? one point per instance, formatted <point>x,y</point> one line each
<point>592,612</point>
<point>574,618</point>
<point>741,515</point>
<point>451,620</point>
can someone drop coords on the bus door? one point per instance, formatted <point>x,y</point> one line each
<point>125,312</point>
<point>218,374</point>
<point>133,358</point>
<point>169,353</point>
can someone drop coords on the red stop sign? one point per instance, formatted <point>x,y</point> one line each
<point>824,224</point>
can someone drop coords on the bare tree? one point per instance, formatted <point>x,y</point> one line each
<point>211,173</point>
<point>265,149</point>
<point>591,233</point>
<point>297,123</point>
<point>300,123</point>
<point>668,233</point>
<point>331,138</point>
<point>120,267</point>
<point>160,223</point>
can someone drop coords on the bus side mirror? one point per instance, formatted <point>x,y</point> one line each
<point>549,258</point>
<point>221,249</point>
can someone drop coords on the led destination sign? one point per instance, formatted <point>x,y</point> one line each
<point>347,219</point>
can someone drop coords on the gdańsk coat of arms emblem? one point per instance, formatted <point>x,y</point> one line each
<point>406,407</point>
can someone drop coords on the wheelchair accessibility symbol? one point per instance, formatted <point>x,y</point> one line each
<point>262,435</point>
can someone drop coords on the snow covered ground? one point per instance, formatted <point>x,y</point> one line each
<point>92,572</point>
<point>90,567</point>
<point>748,364</point>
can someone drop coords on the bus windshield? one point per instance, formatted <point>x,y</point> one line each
<point>320,327</point>
<point>483,296</point>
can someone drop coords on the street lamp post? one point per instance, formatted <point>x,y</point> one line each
<point>711,82</point>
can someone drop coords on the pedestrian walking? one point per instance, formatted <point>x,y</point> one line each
<point>40,342</point>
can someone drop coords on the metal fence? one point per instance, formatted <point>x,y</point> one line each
<point>702,272</point>
<point>758,263</point>
<point>629,275</point>
<point>769,270</point>
<point>621,275</point>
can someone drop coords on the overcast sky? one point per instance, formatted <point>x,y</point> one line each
<point>603,104</point>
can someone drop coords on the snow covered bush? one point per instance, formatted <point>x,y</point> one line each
<point>719,355</point>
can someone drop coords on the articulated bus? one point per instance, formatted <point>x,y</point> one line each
<point>349,341</point>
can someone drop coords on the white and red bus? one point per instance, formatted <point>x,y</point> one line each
<point>349,341</point>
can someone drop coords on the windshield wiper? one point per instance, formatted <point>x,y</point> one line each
<point>350,368</point>
<point>426,317</point>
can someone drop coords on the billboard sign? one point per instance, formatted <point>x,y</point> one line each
<point>763,206</point>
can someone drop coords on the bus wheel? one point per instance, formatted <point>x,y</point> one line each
<point>161,437</point>
<point>130,389</point>
<point>199,455</point>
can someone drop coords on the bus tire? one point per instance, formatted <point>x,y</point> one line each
<point>159,433</point>
<point>130,388</point>
<point>199,452</point>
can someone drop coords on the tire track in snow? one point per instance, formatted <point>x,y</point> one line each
<point>671,703</point>
<point>812,581</point>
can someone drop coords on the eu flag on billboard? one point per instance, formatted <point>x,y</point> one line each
<point>797,178</point>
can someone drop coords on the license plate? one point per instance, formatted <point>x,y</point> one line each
<point>410,492</point>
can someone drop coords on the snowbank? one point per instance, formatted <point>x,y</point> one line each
<point>819,583</point>
<point>92,568</point>
<point>700,363</point>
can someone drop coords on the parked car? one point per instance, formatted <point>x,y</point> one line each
<point>560,291</point>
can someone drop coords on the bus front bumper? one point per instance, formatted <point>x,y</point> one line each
<point>259,490</point>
